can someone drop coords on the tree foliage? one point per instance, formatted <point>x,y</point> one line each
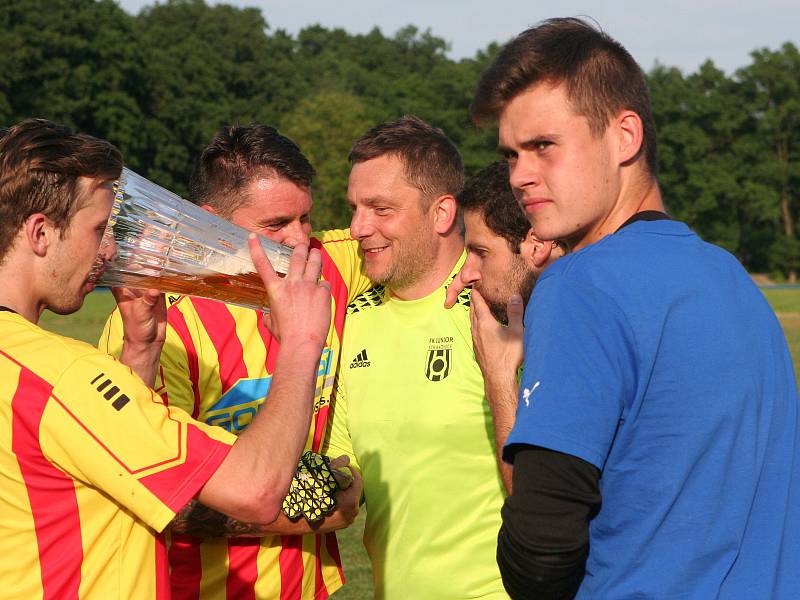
<point>160,83</point>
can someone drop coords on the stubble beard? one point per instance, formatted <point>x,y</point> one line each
<point>522,280</point>
<point>412,260</point>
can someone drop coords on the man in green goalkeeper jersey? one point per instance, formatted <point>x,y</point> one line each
<point>409,406</point>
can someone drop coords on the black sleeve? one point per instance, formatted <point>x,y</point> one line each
<point>544,540</point>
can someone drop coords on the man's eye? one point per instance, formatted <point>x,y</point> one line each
<point>382,210</point>
<point>543,144</point>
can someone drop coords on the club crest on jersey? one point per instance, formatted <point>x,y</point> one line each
<point>439,360</point>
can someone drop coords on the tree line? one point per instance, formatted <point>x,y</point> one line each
<point>158,84</point>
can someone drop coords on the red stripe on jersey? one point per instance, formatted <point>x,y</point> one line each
<point>291,562</point>
<point>320,421</point>
<point>270,343</point>
<point>176,319</point>
<point>320,590</point>
<point>338,287</point>
<point>190,475</point>
<point>221,328</point>
<point>186,565</point>
<point>333,549</point>
<point>242,569</point>
<point>162,569</point>
<point>51,493</point>
<point>339,292</point>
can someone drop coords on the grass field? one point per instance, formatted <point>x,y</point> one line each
<point>88,322</point>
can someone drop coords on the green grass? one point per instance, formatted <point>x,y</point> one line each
<point>786,304</point>
<point>87,324</point>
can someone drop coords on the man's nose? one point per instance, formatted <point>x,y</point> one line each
<point>470,272</point>
<point>295,234</point>
<point>360,226</point>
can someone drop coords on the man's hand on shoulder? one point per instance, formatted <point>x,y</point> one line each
<point>453,290</point>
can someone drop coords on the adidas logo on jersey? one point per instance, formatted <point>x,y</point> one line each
<point>360,360</point>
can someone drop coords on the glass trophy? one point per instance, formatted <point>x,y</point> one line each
<point>169,244</point>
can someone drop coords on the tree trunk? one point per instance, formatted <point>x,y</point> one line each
<point>786,214</point>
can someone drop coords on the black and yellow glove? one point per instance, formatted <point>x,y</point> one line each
<point>312,493</point>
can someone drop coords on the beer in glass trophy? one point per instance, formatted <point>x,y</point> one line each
<point>167,243</point>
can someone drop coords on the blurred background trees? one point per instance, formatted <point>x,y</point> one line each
<point>160,83</point>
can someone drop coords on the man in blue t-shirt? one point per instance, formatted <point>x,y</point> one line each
<point>655,450</point>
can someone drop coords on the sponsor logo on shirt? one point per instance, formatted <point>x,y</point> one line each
<point>361,360</point>
<point>438,362</point>
<point>110,392</point>
<point>237,407</point>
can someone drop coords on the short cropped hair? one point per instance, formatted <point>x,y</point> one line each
<point>239,154</point>
<point>601,77</point>
<point>489,194</point>
<point>431,162</point>
<point>40,166</point>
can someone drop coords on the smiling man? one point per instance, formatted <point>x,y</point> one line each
<point>409,403</point>
<point>656,445</point>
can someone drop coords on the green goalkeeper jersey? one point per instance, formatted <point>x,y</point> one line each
<point>410,409</point>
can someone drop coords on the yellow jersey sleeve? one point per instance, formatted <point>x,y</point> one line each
<point>343,251</point>
<point>337,437</point>
<point>104,427</point>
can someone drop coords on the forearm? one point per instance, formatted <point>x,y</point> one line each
<point>526,575</point>
<point>143,359</point>
<point>501,394</point>
<point>253,480</point>
<point>544,540</point>
<point>198,520</point>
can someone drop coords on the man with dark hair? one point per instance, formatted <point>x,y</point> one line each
<point>655,448</point>
<point>504,259</point>
<point>244,162</point>
<point>218,362</point>
<point>94,465</point>
<point>409,404</point>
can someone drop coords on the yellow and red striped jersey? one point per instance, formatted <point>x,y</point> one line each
<point>217,364</point>
<point>93,467</point>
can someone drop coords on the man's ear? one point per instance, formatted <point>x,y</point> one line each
<point>445,213</point>
<point>630,135</point>
<point>39,232</point>
<point>535,252</point>
<point>210,209</point>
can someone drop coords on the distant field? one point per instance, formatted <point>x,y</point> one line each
<point>88,323</point>
<point>786,304</point>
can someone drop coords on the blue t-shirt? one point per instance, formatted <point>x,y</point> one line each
<point>652,355</point>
